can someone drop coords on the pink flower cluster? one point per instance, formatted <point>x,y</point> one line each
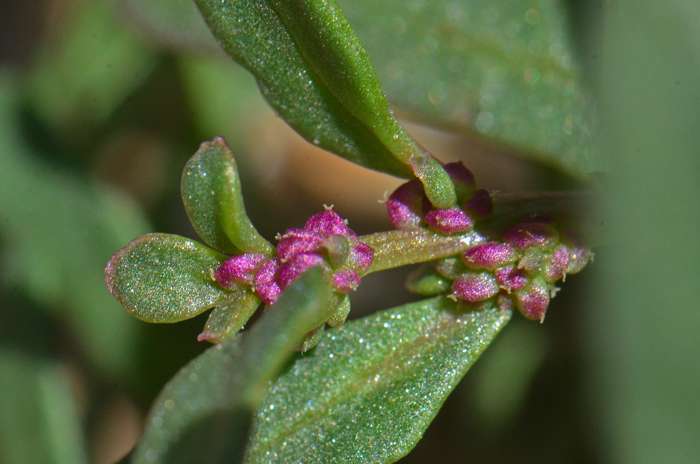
<point>410,208</point>
<point>523,269</point>
<point>325,241</point>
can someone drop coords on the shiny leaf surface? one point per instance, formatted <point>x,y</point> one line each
<point>211,191</point>
<point>369,390</point>
<point>165,278</point>
<point>203,409</point>
<point>505,70</point>
<point>313,71</point>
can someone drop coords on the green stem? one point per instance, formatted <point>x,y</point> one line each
<point>401,247</point>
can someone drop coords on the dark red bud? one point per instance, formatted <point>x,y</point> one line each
<point>490,256</point>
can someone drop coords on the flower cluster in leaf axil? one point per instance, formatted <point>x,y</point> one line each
<point>325,241</point>
<point>520,270</point>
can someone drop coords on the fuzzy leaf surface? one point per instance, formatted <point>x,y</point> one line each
<point>369,390</point>
<point>165,278</point>
<point>204,408</point>
<point>313,71</point>
<point>211,192</point>
<point>505,70</point>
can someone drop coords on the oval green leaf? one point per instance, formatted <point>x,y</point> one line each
<point>368,391</point>
<point>505,70</point>
<point>203,410</point>
<point>313,71</point>
<point>211,191</point>
<point>165,278</point>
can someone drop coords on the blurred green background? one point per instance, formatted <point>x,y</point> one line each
<point>102,102</point>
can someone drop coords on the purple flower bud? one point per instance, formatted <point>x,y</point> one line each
<point>556,263</point>
<point>296,241</point>
<point>296,266</point>
<point>490,256</point>
<point>462,178</point>
<point>239,269</point>
<point>337,250</point>
<point>480,205</point>
<point>327,223</point>
<point>449,221</point>
<point>361,257</point>
<point>266,282</point>
<point>533,299</point>
<point>475,286</point>
<point>345,280</point>
<point>511,278</point>
<point>407,205</point>
<point>525,234</point>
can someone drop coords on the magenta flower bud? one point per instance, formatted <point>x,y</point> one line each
<point>266,282</point>
<point>407,205</point>
<point>296,241</point>
<point>473,287</point>
<point>533,300</point>
<point>239,269</point>
<point>480,205</point>
<point>327,223</point>
<point>490,256</point>
<point>361,257</point>
<point>296,266</point>
<point>449,221</point>
<point>345,280</point>
<point>337,250</point>
<point>511,278</point>
<point>525,234</point>
<point>556,263</point>
<point>462,178</point>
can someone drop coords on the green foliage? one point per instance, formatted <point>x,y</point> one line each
<point>165,278</point>
<point>211,191</point>
<point>196,413</point>
<point>506,70</point>
<point>368,392</point>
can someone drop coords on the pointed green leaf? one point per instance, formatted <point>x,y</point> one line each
<point>369,390</point>
<point>196,416</point>
<point>211,191</point>
<point>313,71</point>
<point>165,278</point>
<point>230,315</point>
<point>501,69</point>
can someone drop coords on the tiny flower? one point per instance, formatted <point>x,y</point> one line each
<point>510,277</point>
<point>449,221</point>
<point>239,269</point>
<point>473,287</point>
<point>542,235</point>
<point>462,178</point>
<point>480,205</point>
<point>407,205</point>
<point>490,256</point>
<point>265,283</point>
<point>533,299</point>
<point>345,280</point>
<point>296,241</point>
<point>556,263</point>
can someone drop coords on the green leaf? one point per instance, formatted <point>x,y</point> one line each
<point>38,414</point>
<point>313,71</point>
<point>211,191</point>
<point>230,315</point>
<point>505,70</point>
<point>165,278</point>
<point>195,417</point>
<point>368,391</point>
